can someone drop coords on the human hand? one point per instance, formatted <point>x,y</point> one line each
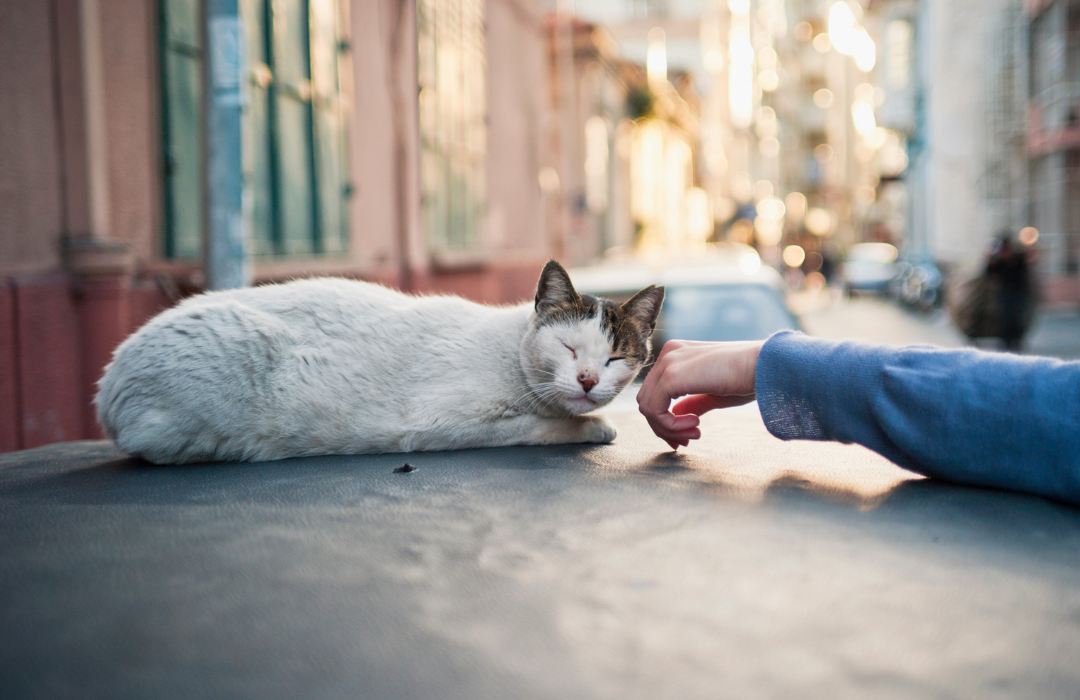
<point>709,375</point>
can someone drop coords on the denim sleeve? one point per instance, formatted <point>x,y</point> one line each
<point>972,417</point>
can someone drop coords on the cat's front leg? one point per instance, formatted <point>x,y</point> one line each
<point>525,429</point>
<point>575,429</point>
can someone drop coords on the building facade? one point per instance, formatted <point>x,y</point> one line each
<point>386,140</point>
<point>1053,142</point>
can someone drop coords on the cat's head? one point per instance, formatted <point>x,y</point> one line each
<point>581,350</point>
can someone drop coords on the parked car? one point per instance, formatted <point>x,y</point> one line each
<point>744,567</point>
<point>724,294</point>
<point>869,268</point>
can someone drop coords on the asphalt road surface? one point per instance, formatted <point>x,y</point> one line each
<point>743,568</point>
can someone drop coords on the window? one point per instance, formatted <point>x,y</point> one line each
<point>294,135</point>
<point>898,41</point>
<point>453,115</point>
<point>181,45</point>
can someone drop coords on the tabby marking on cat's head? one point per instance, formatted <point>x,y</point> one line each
<point>583,350</point>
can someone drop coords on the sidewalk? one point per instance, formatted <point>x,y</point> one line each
<point>1056,333</point>
<point>875,320</point>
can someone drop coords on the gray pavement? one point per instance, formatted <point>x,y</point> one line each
<point>878,320</point>
<point>744,567</point>
<point>1055,333</point>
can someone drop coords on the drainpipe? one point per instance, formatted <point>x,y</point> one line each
<point>400,153</point>
<point>568,125</point>
<point>228,263</point>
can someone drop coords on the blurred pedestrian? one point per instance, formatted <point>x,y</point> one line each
<point>972,417</point>
<point>830,259</point>
<point>1007,270</point>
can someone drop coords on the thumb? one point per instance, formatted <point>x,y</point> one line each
<point>703,403</point>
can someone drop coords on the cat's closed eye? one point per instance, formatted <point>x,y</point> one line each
<point>572,350</point>
<point>613,359</point>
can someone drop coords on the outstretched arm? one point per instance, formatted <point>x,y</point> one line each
<point>972,417</point>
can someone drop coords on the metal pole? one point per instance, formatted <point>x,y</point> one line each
<point>228,262</point>
<point>568,126</point>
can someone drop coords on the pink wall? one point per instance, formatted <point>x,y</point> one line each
<point>10,403</point>
<point>56,336</point>
<point>49,364</point>
<point>30,202</point>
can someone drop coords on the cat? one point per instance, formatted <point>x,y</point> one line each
<point>335,366</point>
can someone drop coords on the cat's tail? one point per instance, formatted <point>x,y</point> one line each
<point>153,435</point>
<point>181,388</point>
<point>139,427</point>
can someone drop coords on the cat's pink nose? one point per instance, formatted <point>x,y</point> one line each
<point>586,380</point>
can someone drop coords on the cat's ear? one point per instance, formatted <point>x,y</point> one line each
<point>554,290</point>
<point>644,306</point>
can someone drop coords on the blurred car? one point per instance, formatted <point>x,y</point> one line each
<point>869,268</point>
<point>721,295</point>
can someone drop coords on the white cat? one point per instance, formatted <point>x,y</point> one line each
<point>333,366</point>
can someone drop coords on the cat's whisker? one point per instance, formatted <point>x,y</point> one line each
<point>541,393</point>
<point>528,392</point>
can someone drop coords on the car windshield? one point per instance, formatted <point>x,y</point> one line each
<point>724,312</point>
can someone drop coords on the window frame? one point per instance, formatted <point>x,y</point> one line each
<point>453,113</point>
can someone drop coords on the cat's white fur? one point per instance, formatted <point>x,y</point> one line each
<point>333,366</point>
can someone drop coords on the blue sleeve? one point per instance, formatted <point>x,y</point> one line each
<point>971,417</point>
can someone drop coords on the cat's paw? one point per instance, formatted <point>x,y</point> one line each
<point>596,429</point>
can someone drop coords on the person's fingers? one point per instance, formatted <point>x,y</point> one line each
<point>681,437</point>
<point>703,403</point>
<point>654,400</point>
<point>667,434</point>
<point>684,422</point>
<point>652,379</point>
<point>697,405</point>
<point>695,368</point>
<point>676,444</point>
<point>663,432</point>
<point>669,347</point>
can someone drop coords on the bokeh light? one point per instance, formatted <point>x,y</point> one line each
<point>794,256</point>
<point>795,205</point>
<point>819,222</point>
<point>823,98</point>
